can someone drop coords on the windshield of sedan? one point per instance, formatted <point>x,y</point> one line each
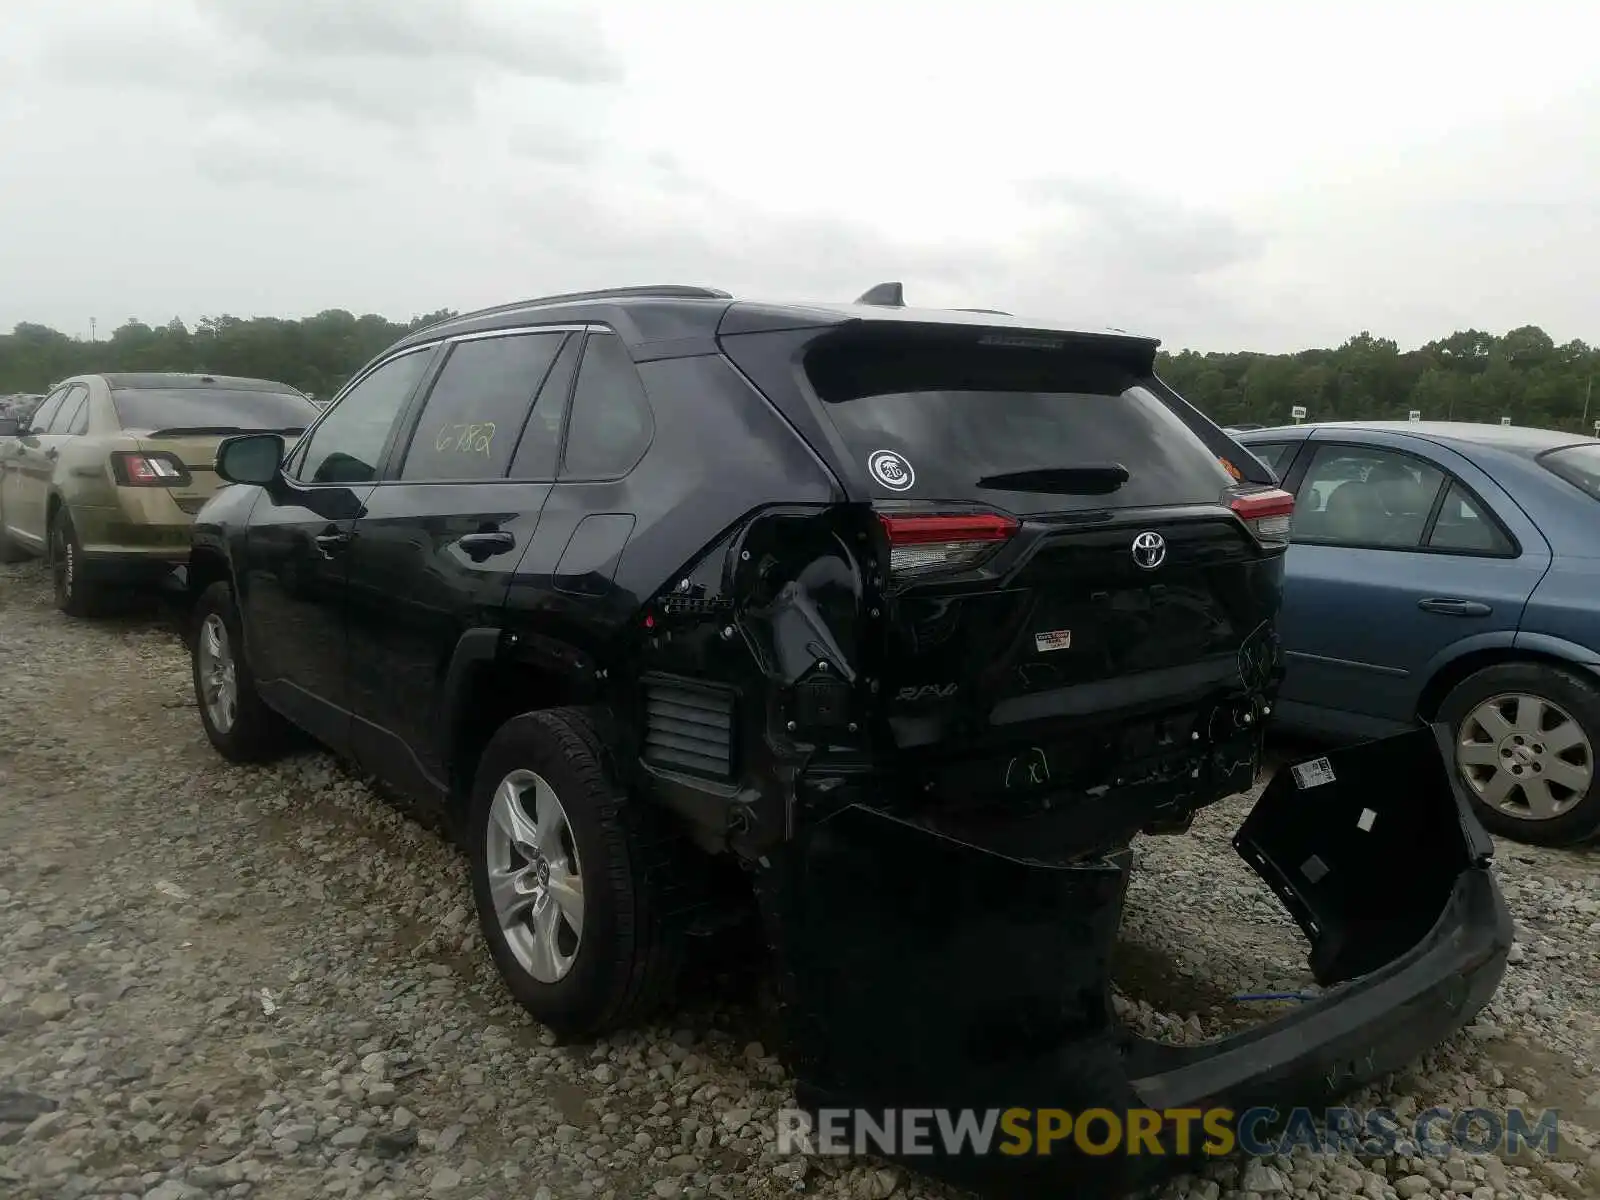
<point>1578,465</point>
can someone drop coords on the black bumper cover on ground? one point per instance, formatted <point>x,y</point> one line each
<point>924,972</point>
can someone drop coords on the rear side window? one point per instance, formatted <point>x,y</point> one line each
<point>1463,526</point>
<point>42,415</point>
<point>212,410</point>
<point>473,415</point>
<point>1578,465</point>
<point>74,404</point>
<point>611,425</point>
<point>1022,429</point>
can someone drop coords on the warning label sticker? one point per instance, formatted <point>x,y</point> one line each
<point>1312,774</point>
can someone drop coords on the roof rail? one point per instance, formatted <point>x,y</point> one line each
<point>663,291</point>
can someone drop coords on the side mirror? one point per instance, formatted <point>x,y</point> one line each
<point>250,458</point>
<point>10,427</point>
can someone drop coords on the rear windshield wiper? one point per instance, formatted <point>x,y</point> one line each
<point>1095,479</point>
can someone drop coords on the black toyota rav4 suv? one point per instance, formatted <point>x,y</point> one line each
<point>896,626</point>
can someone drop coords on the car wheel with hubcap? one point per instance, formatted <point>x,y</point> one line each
<point>236,720</point>
<point>1525,736</point>
<point>571,879</point>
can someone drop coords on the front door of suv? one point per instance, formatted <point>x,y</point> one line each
<point>292,573</point>
<point>442,533</point>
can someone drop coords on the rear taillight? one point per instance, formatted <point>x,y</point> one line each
<point>135,469</point>
<point>930,543</point>
<point>1268,515</point>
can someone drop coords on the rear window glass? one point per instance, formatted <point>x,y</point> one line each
<point>211,409</point>
<point>1578,465</point>
<point>931,422</point>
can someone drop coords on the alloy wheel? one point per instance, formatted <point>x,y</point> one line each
<point>219,680</point>
<point>1525,756</point>
<point>535,879</point>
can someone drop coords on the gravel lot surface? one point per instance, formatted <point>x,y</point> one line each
<point>267,983</point>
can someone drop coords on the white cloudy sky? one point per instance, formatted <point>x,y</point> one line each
<point>1223,175</point>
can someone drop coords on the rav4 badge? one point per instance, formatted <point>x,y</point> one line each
<point>928,691</point>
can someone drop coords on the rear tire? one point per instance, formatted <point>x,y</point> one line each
<point>549,821</point>
<point>76,595</point>
<point>1525,737</point>
<point>237,721</point>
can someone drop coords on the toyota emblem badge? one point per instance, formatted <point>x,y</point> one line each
<point>1149,550</point>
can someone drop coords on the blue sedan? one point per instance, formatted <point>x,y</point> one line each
<point>1450,572</point>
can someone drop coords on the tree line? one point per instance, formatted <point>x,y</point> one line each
<point>1468,376</point>
<point>315,354</point>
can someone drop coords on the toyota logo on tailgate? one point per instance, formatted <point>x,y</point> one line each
<point>1149,550</point>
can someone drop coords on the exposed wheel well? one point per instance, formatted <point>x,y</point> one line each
<point>1452,673</point>
<point>205,568</point>
<point>491,695</point>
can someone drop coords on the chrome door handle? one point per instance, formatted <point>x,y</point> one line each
<point>329,542</point>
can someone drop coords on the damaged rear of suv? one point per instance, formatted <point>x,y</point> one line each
<point>907,622</point>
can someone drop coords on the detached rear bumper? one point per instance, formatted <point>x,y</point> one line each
<point>927,973</point>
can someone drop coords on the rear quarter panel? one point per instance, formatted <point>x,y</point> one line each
<point>1563,617</point>
<point>720,453</point>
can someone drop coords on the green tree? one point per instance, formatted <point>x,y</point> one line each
<point>1470,375</point>
<point>316,354</point>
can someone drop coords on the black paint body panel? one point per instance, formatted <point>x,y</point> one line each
<point>879,754</point>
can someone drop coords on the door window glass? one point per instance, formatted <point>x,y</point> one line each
<point>540,444</point>
<point>346,446</point>
<point>470,422</point>
<point>1365,496</point>
<point>611,426</point>
<point>1464,526</point>
<point>47,410</point>
<point>73,415</point>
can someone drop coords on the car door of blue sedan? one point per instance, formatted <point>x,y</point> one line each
<point>1405,554</point>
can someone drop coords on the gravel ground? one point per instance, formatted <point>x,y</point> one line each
<point>266,982</point>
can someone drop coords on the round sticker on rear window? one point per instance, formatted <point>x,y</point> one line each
<point>889,469</point>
